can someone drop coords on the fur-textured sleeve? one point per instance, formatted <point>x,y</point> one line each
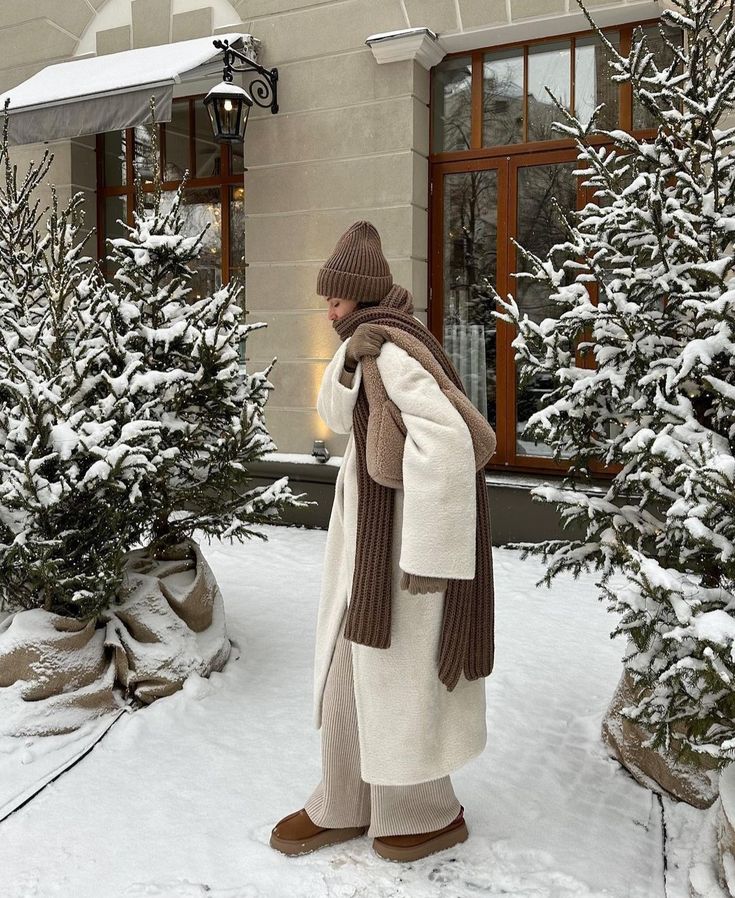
<point>439,507</point>
<point>336,401</point>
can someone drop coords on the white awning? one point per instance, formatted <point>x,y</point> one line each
<point>105,93</point>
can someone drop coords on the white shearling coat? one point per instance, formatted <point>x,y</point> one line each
<point>411,728</point>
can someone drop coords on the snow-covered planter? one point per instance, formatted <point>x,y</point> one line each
<point>711,871</point>
<point>692,781</point>
<point>57,673</point>
<point>127,418</point>
<point>726,830</point>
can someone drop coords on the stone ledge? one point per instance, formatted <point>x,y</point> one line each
<point>419,44</point>
<point>549,25</point>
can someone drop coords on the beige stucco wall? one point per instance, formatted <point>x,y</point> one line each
<point>351,141</point>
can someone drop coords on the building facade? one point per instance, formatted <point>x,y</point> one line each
<point>428,117</point>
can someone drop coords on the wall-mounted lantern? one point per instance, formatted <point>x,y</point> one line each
<point>320,451</point>
<point>229,105</point>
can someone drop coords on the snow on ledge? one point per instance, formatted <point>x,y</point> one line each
<point>296,458</point>
<point>389,35</point>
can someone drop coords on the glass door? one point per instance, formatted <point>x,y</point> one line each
<point>468,209</point>
<point>478,209</point>
<point>538,183</point>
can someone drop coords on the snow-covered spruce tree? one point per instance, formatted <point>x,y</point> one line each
<point>69,475</point>
<point>183,359</point>
<point>659,403</point>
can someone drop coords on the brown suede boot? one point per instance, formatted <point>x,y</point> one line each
<point>297,834</point>
<point>414,847</point>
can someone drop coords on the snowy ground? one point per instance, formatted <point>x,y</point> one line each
<point>178,799</point>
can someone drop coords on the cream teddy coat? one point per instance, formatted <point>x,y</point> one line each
<point>411,728</point>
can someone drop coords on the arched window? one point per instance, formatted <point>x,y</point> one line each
<point>494,164</point>
<point>214,193</point>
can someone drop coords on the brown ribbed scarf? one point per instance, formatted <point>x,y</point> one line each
<point>467,643</point>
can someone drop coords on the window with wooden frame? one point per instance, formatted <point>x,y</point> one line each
<point>495,162</point>
<point>214,193</point>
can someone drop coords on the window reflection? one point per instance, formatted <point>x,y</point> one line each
<point>213,195</point>
<point>200,208</point>
<point>452,105</point>
<point>237,233</point>
<point>116,217</point>
<point>593,83</point>
<point>549,65</point>
<point>207,151</point>
<point>502,100</point>
<point>177,143</point>
<point>664,55</point>
<point>470,266</point>
<point>539,228</point>
<point>115,162</point>
<point>143,158</point>
<point>484,211</point>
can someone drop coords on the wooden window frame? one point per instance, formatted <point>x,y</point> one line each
<point>226,181</point>
<point>507,160</point>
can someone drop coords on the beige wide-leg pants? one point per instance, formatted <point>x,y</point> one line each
<point>342,798</point>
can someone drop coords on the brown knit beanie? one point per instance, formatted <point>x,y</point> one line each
<point>357,269</point>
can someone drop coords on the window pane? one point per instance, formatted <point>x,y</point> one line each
<point>143,161</point>
<point>452,105</point>
<point>237,165</point>
<point>199,208</point>
<point>115,170</point>
<point>592,81</point>
<point>502,98</point>
<point>116,210</point>
<point>208,152</point>
<point>237,232</point>
<point>664,56</point>
<point>539,228</point>
<point>549,65</point>
<point>470,242</point>
<point>177,142</point>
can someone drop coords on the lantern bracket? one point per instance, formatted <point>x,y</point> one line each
<point>264,90</point>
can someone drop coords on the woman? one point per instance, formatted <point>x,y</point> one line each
<point>405,629</point>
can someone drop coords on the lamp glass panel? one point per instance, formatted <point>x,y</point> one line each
<point>230,115</point>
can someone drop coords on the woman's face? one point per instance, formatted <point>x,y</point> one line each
<point>337,308</point>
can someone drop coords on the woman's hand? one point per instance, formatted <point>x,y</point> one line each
<point>417,585</point>
<point>367,340</point>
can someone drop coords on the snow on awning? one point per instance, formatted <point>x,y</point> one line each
<point>105,93</point>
